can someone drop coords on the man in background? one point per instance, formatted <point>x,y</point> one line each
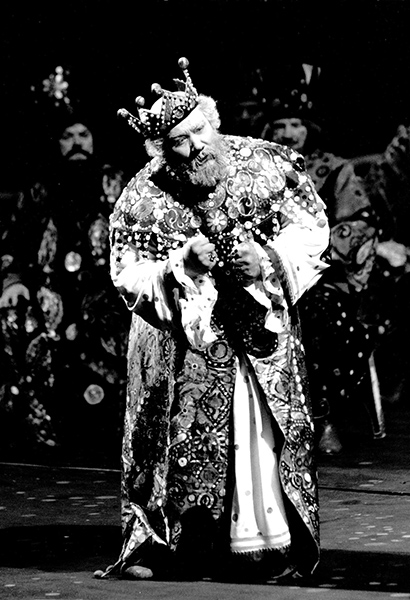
<point>65,328</point>
<point>348,315</point>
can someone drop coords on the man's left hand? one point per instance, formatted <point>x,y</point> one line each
<point>245,260</point>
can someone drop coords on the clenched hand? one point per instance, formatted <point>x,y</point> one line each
<point>199,256</point>
<point>245,260</point>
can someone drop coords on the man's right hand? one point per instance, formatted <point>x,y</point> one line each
<point>12,294</point>
<point>199,256</point>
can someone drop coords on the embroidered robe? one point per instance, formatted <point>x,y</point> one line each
<point>188,337</point>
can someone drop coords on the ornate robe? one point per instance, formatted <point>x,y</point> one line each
<point>190,339</point>
<point>64,359</point>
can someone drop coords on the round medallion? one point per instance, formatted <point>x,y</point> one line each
<point>219,351</point>
<point>71,332</point>
<point>94,394</point>
<point>206,499</point>
<point>72,261</point>
<point>216,220</point>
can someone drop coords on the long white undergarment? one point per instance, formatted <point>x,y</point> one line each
<point>258,518</point>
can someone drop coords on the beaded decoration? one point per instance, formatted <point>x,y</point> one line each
<point>54,90</point>
<point>175,107</point>
<point>265,184</point>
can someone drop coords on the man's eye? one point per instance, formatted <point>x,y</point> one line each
<point>178,142</point>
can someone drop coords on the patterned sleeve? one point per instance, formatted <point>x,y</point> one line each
<point>297,252</point>
<point>152,280</point>
<point>146,285</point>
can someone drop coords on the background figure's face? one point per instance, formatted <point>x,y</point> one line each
<point>76,142</point>
<point>290,132</point>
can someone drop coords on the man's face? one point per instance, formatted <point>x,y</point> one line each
<point>194,151</point>
<point>192,137</point>
<point>76,142</point>
<point>290,132</point>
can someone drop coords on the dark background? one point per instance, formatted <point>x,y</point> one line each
<point>115,50</point>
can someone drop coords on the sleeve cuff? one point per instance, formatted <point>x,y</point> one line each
<point>197,304</point>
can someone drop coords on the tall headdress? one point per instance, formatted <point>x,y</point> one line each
<point>294,92</point>
<point>57,104</point>
<point>54,90</point>
<point>175,107</point>
<point>249,104</point>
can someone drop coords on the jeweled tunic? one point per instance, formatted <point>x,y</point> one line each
<point>196,346</point>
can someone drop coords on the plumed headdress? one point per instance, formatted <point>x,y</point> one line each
<point>174,107</point>
<point>57,103</point>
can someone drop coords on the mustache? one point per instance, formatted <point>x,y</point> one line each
<point>201,158</point>
<point>77,150</point>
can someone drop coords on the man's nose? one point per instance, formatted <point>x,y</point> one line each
<point>196,143</point>
<point>288,131</point>
<point>77,140</point>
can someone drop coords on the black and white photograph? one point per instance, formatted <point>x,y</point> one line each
<point>204,300</point>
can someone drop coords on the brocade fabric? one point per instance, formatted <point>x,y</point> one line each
<point>178,439</point>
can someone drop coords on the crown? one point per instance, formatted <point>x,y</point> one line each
<point>175,107</point>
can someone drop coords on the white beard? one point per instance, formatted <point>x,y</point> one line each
<point>206,174</point>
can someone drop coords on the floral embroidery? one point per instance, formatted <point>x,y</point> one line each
<point>216,220</point>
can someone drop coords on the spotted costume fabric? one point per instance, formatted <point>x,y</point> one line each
<point>347,316</point>
<point>64,349</point>
<point>189,338</point>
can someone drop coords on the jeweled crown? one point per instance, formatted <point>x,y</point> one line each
<point>175,107</point>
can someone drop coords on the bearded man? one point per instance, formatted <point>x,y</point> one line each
<point>213,242</point>
<point>64,326</point>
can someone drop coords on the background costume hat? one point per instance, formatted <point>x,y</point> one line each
<point>58,105</point>
<point>288,90</point>
<point>278,92</point>
<point>292,91</point>
<point>249,102</point>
